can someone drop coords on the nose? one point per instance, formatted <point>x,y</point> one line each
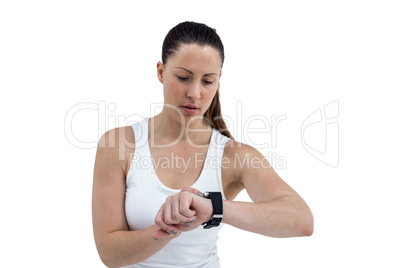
<point>194,91</point>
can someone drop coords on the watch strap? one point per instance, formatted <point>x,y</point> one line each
<point>217,205</point>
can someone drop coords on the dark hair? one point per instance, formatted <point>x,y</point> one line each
<point>198,33</point>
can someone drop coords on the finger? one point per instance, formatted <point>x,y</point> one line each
<point>167,211</point>
<point>159,217</point>
<point>184,206</point>
<point>178,207</point>
<point>160,234</point>
<point>176,216</point>
<point>159,220</point>
<point>191,190</point>
<point>184,225</point>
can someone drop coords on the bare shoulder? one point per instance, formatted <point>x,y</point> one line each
<point>255,173</point>
<point>120,142</point>
<point>246,168</point>
<point>236,157</point>
<point>239,156</point>
<point>234,147</point>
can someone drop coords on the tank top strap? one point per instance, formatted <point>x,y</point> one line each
<point>141,137</point>
<point>211,177</point>
<point>218,142</point>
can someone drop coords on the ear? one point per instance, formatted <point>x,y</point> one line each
<point>220,74</point>
<point>159,71</point>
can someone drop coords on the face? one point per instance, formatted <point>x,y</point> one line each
<point>190,77</point>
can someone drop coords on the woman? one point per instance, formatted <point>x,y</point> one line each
<point>160,215</point>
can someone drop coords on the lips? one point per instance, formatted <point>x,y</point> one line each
<point>190,109</point>
<point>190,106</point>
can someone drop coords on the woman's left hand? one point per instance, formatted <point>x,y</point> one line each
<point>186,210</point>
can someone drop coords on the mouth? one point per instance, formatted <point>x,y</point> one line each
<point>189,109</point>
<point>193,107</point>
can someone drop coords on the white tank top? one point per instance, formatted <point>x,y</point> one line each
<point>145,194</point>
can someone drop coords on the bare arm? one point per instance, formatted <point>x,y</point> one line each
<point>277,211</point>
<point>116,245</point>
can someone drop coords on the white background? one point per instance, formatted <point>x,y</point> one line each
<point>282,58</point>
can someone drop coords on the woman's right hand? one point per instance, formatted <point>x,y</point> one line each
<point>184,211</point>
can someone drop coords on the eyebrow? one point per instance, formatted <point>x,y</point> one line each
<point>193,73</point>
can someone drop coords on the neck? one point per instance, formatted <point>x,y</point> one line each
<point>169,129</point>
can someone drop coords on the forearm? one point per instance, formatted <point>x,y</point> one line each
<point>123,248</point>
<point>284,217</point>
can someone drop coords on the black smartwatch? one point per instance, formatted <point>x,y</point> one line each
<point>217,204</point>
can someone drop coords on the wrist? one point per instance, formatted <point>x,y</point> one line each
<point>225,204</point>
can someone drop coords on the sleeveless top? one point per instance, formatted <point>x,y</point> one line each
<point>145,194</point>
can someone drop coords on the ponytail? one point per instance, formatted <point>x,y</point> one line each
<point>213,116</point>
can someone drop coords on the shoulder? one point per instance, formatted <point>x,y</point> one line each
<point>240,157</point>
<point>119,143</point>
<point>235,149</point>
<point>255,173</point>
<point>117,138</point>
<point>237,162</point>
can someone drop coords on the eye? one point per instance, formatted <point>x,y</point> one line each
<point>182,78</point>
<point>208,82</point>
